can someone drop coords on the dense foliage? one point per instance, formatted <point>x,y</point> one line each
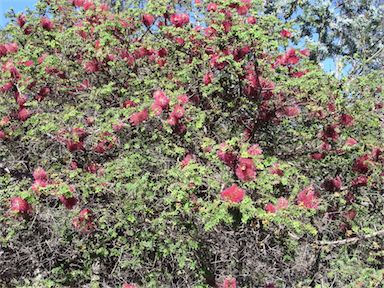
<point>183,146</point>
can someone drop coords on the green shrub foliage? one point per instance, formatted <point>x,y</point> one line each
<point>183,146</point>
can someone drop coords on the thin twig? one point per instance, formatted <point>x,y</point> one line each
<point>351,240</point>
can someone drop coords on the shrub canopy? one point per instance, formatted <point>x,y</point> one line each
<point>181,146</point>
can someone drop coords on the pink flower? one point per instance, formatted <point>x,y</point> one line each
<point>307,198</point>
<point>346,120</point>
<point>360,181</point>
<point>285,33</point>
<point>229,282</point>
<point>282,203</point>
<point>212,7</point>
<point>208,78</point>
<point>161,99</point>
<point>69,202</point>
<point>186,160</point>
<point>178,112</point>
<point>270,208</point>
<point>361,165</point>
<point>148,20</point>
<point>138,117</point>
<point>330,132</point>
<point>350,142</point>
<point>305,52</point>
<point>332,185</point>
<point>156,109</point>
<point>40,174</point>
<point>292,111</point>
<point>255,150</point>
<point>246,169</point>
<point>23,114</point>
<point>228,157</point>
<point>251,20</point>
<point>275,169</point>
<point>317,156</point>
<point>182,99</point>
<point>179,20</point>
<point>233,194</point>
<point>129,285</point>
<point>46,23</point>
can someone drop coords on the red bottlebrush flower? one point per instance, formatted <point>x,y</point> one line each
<point>161,99</point>
<point>208,78</point>
<point>138,117</point>
<point>292,111</point>
<point>178,111</point>
<point>21,99</point>
<point>73,146</point>
<point>242,10</point>
<point>346,120</point>
<point>255,150</point>
<point>78,3</point>
<point>276,170</point>
<point>163,52</point>
<point>270,208</point>
<point>104,7</point>
<point>228,157</point>
<point>2,135</point>
<point>233,194</point>
<point>182,99</point>
<point>317,156</point>
<point>11,47</point>
<point>129,285</point>
<point>210,32</point>
<point>83,222</point>
<point>148,20</point>
<point>212,7</point>
<point>40,174</point>
<point>180,41</point>
<point>282,203</point>
<point>246,169</point>
<point>19,205</point>
<point>73,165</point>
<point>376,152</point>
<point>23,114</point>
<point>156,109</point>
<point>6,87</point>
<point>179,20</point>
<point>330,132</point>
<point>46,23</point>
<point>229,282</point>
<point>360,181</point>
<point>349,197</point>
<point>305,52</point>
<point>332,185</point>
<point>361,165</point>
<point>186,160</point>
<point>129,103</point>
<point>331,106</point>
<point>21,20</point>
<point>298,74</point>
<point>307,198</point>
<point>285,33</point>
<point>350,142</point>
<point>350,214</point>
<point>251,20</point>
<point>172,120</point>
<point>227,26</point>
<point>69,203</point>
<point>88,5</point>
<point>92,66</point>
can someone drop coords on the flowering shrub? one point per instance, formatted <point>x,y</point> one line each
<point>180,146</point>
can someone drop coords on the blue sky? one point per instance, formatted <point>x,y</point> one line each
<point>17,5</point>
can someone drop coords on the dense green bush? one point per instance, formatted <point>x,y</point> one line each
<point>167,147</point>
